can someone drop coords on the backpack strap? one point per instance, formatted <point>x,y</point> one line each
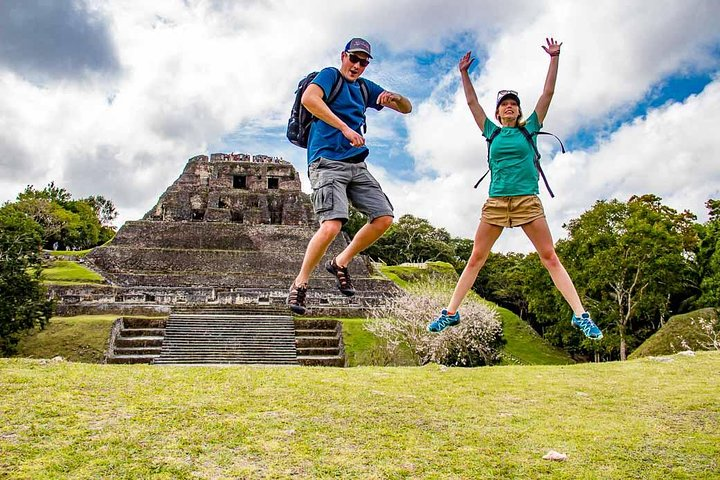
<point>537,155</point>
<point>489,141</point>
<point>365,92</point>
<point>337,85</point>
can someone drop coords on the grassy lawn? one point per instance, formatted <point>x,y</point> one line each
<point>69,271</point>
<point>524,346</point>
<point>643,419</point>
<point>79,339</point>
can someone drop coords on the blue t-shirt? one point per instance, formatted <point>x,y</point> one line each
<point>512,160</point>
<point>328,142</point>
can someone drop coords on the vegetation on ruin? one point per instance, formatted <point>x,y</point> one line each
<point>681,332</point>
<point>69,271</point>
<point>648,418</point>
<point>83,338</point>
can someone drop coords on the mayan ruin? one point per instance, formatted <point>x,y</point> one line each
<point>231,230</point>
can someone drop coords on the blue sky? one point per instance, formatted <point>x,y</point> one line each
<point>113,97</point>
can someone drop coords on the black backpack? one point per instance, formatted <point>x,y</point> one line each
<point>528,136</point>
<point>301,119</point>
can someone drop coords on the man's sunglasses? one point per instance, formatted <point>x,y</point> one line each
<point>355,59</point>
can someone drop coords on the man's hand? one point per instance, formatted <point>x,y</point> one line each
<point>356,140</point>
<point>386,98</point>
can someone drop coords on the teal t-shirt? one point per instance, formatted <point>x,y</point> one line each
<point>512,166</point>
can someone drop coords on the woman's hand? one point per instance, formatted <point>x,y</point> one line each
<point>553,47</point>
<point>465,62</point>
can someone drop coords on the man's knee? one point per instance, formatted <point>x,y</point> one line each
<point>330,228</point>
<point>383,222</point>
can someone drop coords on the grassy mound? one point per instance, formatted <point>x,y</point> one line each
<point>68,271</point>
<point>643,419</point>
<point>79,339</point>
<point>406,274</point>
<point>524,345</point>
<point>668,339</point>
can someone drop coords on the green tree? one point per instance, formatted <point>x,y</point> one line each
<point>708,257</point>
<point>69,223</point>
<point>413,239</point>
<point>23,301</point>
<point>629,260</point>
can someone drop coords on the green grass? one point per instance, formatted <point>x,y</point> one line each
<point>364,348</point>
<point>79,339</point>
<point>524,346</point>
<point>70,271</point>
<point>359,343</point>
<point>641,419</point>
<point>668,339</point>
<point>69,253</point>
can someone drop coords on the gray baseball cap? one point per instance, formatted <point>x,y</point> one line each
<point>358,45</point>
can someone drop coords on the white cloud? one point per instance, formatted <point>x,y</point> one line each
<point>192,73</point>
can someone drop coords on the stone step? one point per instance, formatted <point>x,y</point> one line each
<point>218,338</point>
<point>163,260</point>
<point>131,359</point>
<point>239,349</point>
<point>315,323</point>
<point>142,332</point>
<point>224,361</point>
<point>137,322</point>
<point>249,332</point>
<point>136,350</point>
<point>320,285</point>
<point>215,235</point>
<point>315,332</point>
<point>306,342</point>
<point>318,351</point>
<point>322,361</point>
<point>138,341</point>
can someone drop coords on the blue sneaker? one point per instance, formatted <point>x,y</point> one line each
<point>588,327</point>
<point>444,321</point>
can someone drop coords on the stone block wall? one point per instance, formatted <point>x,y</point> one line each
<point>235,188</point>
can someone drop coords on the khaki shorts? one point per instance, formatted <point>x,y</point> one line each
<point>512,211</point>
<point>336,184</point>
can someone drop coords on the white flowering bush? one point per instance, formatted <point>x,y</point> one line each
<point>403,322</point>
<point>708,336</point>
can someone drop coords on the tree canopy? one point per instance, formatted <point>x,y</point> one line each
<point>23,302</point>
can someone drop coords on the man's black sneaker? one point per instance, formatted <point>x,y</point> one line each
<point>296,298</point>
<point>342,278</point>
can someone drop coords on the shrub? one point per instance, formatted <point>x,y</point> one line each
<point>708,336</point>
<point>475,342</point>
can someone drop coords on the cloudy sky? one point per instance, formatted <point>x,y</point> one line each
<point>113,97</point>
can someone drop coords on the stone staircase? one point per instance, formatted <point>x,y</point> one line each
<point>221,338</point>
<point>135,340</point>
<point>319,343</point>
<point>222,334</point>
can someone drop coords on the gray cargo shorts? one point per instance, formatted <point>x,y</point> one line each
<point>334,183</point>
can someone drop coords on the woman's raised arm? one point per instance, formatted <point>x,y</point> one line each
<point>543,104</point>
<point>477,112</point>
